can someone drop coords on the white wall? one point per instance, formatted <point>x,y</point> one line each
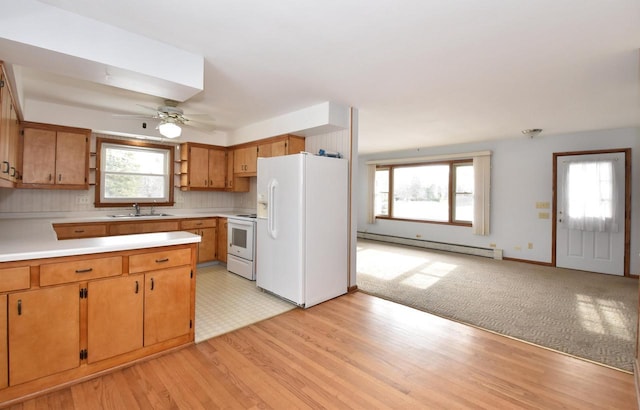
<point>521,175</point>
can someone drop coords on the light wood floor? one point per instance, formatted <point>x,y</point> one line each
<point>356,351</point>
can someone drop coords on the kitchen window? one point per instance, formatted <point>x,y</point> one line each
<point>439,192</point>
<point>130,172</point>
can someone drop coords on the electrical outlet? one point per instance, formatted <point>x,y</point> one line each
<point>517,248</point>
<point>543,215</point>
<point>418,235</point>
<point>530,245</point>
<point>492,245</point>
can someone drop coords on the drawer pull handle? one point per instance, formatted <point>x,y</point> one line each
<point>162,260</point>
<point>6,171</point>
<point>137,286</point>
<point>13,171</point>
<point>19,307</point>
<point>78,231</point>
<point>84,270</point>
<point>153,284</point>
<point>199,223</point>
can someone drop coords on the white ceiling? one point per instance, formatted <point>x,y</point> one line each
<point>421,72</point>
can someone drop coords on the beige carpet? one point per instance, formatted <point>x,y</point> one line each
<point>226,302</point>
<point>588,315</point>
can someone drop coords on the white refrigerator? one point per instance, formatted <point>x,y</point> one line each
<point>302,227</point>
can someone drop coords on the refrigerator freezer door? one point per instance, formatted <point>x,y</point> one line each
<point>326,227</point>
<point>279,268</point>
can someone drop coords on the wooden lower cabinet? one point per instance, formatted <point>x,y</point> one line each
<point>62,332</point>
<point>206,228</point>
<point>44,332</point>
<point>114,317</point>
<point>4,351</point>
<point>167,304</point>
<point>222,240</point>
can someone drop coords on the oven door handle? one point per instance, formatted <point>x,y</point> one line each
<point>271,214</point>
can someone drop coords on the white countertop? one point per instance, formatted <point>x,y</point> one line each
<point>24,238</point>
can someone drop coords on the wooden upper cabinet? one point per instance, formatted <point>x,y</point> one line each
<point>205,167</point>
<point>198,167</point>
<point>71,148</point>
<point>38,156</point>
<point>54,157</point>
<point>9,134</point>
<point>284,145</point>
<point>217,168</point>
<point>245,161</point>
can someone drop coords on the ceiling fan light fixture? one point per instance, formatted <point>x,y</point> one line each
<point>169,129</point>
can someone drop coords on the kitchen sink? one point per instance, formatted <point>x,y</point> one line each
<point>137,215</point>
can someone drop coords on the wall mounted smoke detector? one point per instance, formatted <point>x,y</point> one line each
<point>532,132</point>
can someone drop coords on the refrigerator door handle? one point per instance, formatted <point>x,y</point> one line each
<point>271,214</point>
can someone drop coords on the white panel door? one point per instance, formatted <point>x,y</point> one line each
<point>595,249</point>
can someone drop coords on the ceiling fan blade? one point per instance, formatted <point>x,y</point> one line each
<point>134,116</point>
<point>199,125</point>
<point>146,107</point>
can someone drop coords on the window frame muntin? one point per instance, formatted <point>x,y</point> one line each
<point>451,204</point>
<point>134,143</point>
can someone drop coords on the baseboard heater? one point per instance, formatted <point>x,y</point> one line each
<point>441,246</point>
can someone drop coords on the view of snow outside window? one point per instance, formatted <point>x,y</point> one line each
<point>422,192</point>
<point>135,173</point>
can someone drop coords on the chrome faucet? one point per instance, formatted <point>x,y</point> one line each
<point>137,208</point>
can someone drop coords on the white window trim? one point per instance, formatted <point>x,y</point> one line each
<point>123,201</point>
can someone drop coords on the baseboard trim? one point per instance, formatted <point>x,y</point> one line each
<point>352,289</point>
<point>549,264</point>
<point>636,379</point>
<point>441,246</point>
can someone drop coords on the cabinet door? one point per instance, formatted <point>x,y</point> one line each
<point>44,332</point>
<point>5,161</point>
<point>279,148</point>
<point>265,151</point>
<point>4,355</point>
<point>14,142</point>
<point>245,160</point>
<point>207,247</point>
<point>198,167</point>
<point>71,158</point>
<point>167,304</point>
<point>114,318</point>
<point>39,156</point>
<point>222,240</point>
<point>217,168</point>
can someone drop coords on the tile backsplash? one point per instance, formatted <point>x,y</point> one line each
<point>49,200</point>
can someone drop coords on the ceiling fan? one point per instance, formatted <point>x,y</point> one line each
<point>172,119</point>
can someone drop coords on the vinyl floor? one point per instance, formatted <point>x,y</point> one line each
<point>226,302</point>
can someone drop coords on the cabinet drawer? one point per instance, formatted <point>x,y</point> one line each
<point>159,260</point>
<point>143,227</point>
<point>14,278</point>
<point>75,271</point>
<point>198,223</point>
<point>80,231</point>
